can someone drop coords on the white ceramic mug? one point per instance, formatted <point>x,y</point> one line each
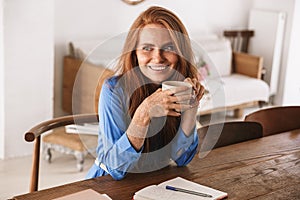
<point>174,84</point>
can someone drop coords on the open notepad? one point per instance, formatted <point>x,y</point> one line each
<point>160,192</point>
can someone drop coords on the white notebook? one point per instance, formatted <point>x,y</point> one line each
<point>88,194</point>
<point>90,129</point>
<point>160,192</point>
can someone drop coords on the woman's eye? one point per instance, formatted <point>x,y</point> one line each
<point>147,48</point>
<point>169,48</point>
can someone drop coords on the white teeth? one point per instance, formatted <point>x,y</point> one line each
<point>158,68</point>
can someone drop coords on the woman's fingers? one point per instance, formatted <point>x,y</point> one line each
<point>170,102</point>
<point>201,93</point>
<point>178,99</point>
<point>174,91</point>
<point>198,89</point>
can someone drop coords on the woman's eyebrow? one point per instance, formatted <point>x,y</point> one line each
<point>168,43</point>
<point>150,44</point>
<point>146,44</point>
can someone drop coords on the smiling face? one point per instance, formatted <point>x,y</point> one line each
<point>156,53</point>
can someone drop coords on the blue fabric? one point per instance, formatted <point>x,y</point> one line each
<point>115,150</point>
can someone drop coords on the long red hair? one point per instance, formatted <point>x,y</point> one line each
<point>128,66</point>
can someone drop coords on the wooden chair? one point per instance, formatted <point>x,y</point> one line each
<point>34,134</point>
<point>91,79</point>
<point>222,134</point>
<point>239,39</point>
<point>276,119</point>
<point>82,82</point>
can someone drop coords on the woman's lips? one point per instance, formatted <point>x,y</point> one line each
<point>158,67</point>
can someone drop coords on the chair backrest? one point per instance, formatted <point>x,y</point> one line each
<point>239,39</point>
<point>82,84</point>
<point>223,134</point>
<point>88,86</point>
<point>276,119</point>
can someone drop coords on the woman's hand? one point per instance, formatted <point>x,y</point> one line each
<point>189,116</point>
<point>198,91</point>
<point>163,103</point>
<point>160,103</point>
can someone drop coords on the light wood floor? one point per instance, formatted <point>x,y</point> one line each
<point>15,173</point>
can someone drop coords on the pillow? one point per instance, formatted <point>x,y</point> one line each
<point>87,87</point>
<point>218,55</point>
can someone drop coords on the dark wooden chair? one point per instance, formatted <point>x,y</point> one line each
<point>35,133</point>
<point>276,119</point>
<point>222,134</point>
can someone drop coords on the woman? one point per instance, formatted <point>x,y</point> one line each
<point>142,127</point>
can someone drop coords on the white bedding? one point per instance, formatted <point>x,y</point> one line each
<point>234,90</point>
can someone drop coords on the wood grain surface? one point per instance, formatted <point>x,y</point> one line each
<point>265,168</point>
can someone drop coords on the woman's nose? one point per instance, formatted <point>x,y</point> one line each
<point>157,55</point>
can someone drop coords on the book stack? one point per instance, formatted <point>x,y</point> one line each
<point>86,128</point>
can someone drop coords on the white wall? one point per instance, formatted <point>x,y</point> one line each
<point>291,95</point>
<point>1,82</point>
<point>28,29</point>
<point>289,82</point>
<point>26,57</point>
<point>90,19</point>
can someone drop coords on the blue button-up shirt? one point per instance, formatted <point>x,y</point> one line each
<point>115,151</point>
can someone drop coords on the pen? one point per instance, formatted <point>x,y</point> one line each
<point>187,191</point>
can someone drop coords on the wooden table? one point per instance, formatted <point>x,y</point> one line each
<point>265,168</point>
